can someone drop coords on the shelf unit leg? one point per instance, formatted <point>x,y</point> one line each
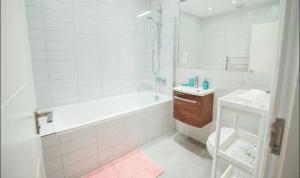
<point>215,158</point>
<point>235,120</point>
<point>259,146</point>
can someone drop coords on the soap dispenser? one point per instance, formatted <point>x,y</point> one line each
<point>205,84</point>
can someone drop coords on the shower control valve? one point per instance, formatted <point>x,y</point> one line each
<point>160,80</point>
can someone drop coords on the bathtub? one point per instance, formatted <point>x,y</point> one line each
<point>74,116</point>
<point>88,135</point>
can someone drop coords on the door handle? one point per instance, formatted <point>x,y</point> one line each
<point>276,136</point>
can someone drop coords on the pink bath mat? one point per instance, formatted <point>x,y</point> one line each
<point>135,164</point>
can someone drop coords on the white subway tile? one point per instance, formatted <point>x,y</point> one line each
<point>59,36</point>
<point>110,142</point>
<point>88,4</point>
<point>60,45</point>
<point>36,34</point>
<point>87,46</point>
<point>89,96</point>
<point>58,26</point>
<point>62,74</point>
<point>67,83</point>
<point>88,64</point>
<point>135,137</point>
<point>57,174</point>
<point>86,29</point>
<point>64,100</point>
<point>77,156</point>
<point>50,140</point>
<point>82,167</point>
<point>79,19</point>
<point>37,45</point>
<point>64,137</point>
<point>85,11</point>
<point>32,11</point>
<point>40,75</point>
<point>110,154</point>
<point>39,65</point>
<point>37,3</point>
<point>38,55</point>
<point>81,37</point>
<point>61,65</point>
<point>58,15</point>
<point>64,92</point>
<point>79,143</point>
<point>35,23</point>
<point>61,55</point>
<point>59,5</point>
<point>88,81</point>
<point>89,89</point>
<point>53,165</point>
<point>51,153</point>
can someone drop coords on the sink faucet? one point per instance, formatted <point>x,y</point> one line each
<point>196,80</point>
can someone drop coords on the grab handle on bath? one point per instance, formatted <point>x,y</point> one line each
<point>186,100</point>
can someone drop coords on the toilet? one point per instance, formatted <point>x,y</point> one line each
<point>210,144</point>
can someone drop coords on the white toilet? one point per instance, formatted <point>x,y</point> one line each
<point>210,144</point>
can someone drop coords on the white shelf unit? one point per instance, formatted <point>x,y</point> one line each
<point>241,147</point>
<point>233,172</point>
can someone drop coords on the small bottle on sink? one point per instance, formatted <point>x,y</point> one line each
<point>205,84</point>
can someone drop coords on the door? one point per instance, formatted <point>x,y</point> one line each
<point>285,97</point>
<point>20,145</point>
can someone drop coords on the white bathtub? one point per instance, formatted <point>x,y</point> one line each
<point>91,134</point>
<point>82,114</point>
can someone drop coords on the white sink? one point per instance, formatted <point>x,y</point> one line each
<point>193,90</point>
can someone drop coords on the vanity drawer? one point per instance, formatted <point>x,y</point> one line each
<point>191,109</point>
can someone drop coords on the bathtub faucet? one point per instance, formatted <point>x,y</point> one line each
<point>161,80</point>
<point>44,114</point>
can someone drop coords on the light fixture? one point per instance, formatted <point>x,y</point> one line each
<point>143,14</point>
<point>234,1</point>
<point>209,8</point>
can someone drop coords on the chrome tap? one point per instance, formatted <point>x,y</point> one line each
<point>196,82</point>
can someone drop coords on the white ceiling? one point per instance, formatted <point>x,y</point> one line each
<point>200,7</point>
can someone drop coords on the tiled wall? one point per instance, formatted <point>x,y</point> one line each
<point>75,153</point>
<point>191,40</point>
<point>83,49</point>
<point>223,82</point>
<point>169,12</point>
<point>222,35</point>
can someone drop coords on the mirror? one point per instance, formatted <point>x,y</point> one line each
<point>230,35</point>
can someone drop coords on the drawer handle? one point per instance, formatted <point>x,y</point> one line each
<point>186,100</point>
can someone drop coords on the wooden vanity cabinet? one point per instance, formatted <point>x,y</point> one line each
<point>193,110</point>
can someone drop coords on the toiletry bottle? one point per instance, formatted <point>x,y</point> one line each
<point>205,84</point>
<point>191,82</point>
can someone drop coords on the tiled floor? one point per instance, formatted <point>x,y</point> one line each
<point>181,156</point>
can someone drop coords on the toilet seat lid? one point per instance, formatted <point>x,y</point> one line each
<point>225,133</point>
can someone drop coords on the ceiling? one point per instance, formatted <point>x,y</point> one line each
<point>200,8</point>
